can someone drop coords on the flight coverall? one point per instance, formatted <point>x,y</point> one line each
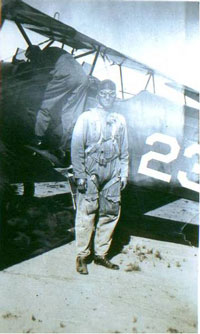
<point>99,155</point>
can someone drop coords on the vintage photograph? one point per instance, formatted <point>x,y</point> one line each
<point>99,166</point>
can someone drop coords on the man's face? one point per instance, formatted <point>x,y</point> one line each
<point>106,98</point>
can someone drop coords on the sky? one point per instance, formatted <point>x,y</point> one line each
<point>162,34</point>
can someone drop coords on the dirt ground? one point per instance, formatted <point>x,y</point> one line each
<point>155,290</point>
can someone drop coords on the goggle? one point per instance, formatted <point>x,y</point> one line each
<point>105,93</point>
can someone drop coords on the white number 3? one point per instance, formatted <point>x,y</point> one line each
<point>167,158</point>
<point>182,176</point>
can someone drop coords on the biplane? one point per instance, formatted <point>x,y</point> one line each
<point>163,134</point>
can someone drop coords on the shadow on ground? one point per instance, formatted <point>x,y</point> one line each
<point>136,201</point>
<point>33,226</point>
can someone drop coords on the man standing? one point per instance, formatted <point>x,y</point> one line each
<point>100,163</point>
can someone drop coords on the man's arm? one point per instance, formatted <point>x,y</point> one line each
<point>78,148</point>
<point>124,156</point>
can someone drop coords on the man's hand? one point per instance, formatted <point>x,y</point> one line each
<point>81,185</point>
<point>123,182</point>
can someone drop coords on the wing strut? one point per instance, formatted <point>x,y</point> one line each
<point>48,45</point>
<point>147,81</point>
<point>153,80</point>
<point>85,54</point>
<point>151,76</point>
<point>23,33</point>
<point>47,40</point>
<point>121,78</point>
<point>95,60</point>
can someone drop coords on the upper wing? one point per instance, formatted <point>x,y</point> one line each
<point>187,91</point>
<point>33,19</point>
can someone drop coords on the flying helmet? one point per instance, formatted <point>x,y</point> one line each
<point>107,84</point>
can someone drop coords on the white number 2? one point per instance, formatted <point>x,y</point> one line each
<point>172,155</point>
<point>182,176</point>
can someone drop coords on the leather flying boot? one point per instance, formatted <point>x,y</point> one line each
<point>81,265</point>
<point>103,261</point>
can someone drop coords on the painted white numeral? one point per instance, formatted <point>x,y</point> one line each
<point>182,176</point>
<point>172,155</point>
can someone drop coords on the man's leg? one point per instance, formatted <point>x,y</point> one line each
<point>84,227</point>
<point>109,214</point>
<point>104,232</point>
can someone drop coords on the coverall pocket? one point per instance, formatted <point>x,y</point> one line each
<point>91,204</point>
<point>110,200</point>
<point>112,205</point>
